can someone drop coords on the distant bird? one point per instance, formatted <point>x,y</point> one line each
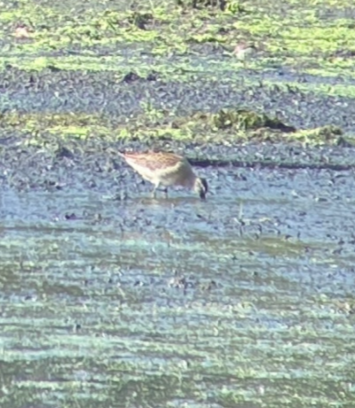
<point>21,32</point>
<point>167,169</point>
<point>244,50</point>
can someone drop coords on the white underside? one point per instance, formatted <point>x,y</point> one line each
<point>184,177</point>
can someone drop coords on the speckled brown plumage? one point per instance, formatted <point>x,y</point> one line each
<point>167,169</point>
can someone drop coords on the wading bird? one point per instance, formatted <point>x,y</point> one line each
<point>166,169</point>
<point>244,51</point>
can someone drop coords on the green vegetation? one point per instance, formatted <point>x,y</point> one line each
<point>307,35</point>
<point>225,126</point>
<point>123,300</point>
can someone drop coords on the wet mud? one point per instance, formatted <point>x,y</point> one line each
<point>116,96</point>
<point>97,291</point>
<point>111,298</point>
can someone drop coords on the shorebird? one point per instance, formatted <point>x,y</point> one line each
<point>244,50</point>
<point>167,169</point>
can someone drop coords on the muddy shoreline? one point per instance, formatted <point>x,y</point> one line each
<point>71,93</point>
<point>109,297</point>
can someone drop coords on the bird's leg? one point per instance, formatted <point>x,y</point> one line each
<point>155,189</point>
<point>154,192</point>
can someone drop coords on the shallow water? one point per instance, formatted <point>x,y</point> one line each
<point>242,300</point>
<point>109,298</point>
